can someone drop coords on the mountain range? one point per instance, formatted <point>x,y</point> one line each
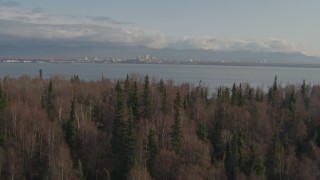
<point>120,51</point>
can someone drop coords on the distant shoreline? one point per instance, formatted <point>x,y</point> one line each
<point>297,65</point>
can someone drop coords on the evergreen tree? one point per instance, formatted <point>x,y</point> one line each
<point>286,143</point>
<point>151,151</point>
<point>216,136</point>
<point>275,83</point>
<point>303,88</point>
<point>240,96</point>
<point>318,136</point>
<point>40,73</point>
<point>3,104</point>
<point>240,148</point>
<point>49,103</point>
<point>230,162</point>
<point>259,94</point>
<point>226,95</point>
<point>272,162</point>
<point>147,99</point>
<point>259,167</point>
<point>131,141</point>
<point>234,161</point>
<point>127,85</point>
<point>122,139</point>
<point>3,99</point>
<point>163,91</point>
<point>127,91</point>
<point>80,171</point>
<point>202,132</point>
<point>234,99</point>
<point>177,133</point>
<point>135,102</point>
<point>70,127</point>
<point>118,138</point>
<point>273,92</point>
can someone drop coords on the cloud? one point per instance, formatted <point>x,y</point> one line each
<point>269,45</point>
<point>106,19</point>
<point>35,26</point>
<point>8,3</point>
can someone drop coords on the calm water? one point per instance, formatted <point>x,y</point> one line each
<point>212,76</point>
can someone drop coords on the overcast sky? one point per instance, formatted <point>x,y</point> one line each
<point>273,25</point>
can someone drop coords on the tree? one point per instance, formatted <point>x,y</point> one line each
<point>215,136</point>
<point>131,141</point>
<point>147,99</point>
<point>318,136</point>
<point>234,94</point>
<point>240,96</point>
<point>135,102</point>
<point>273,92</point>
<point>259,167</point>
<point>71,128</point>
<point>272,162</point>
<point>230,162</point>
<point>3,104</point>
<point>202,132</point>
<point>163,91</point>
<point>3,99</point>
<point>151,151</point>
<point>49,102</point>
<point>80,171</point>
<point>177,133</point>
<point>122,142</point>
<point>127,85</point>
<point>40,73</point>
<point>303,88</point>
<point>240,148</point>
<point>249,162</point>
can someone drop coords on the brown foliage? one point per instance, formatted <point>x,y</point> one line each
<point>33,147</point>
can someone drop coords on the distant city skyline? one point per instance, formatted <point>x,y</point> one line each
<point>270,26</point>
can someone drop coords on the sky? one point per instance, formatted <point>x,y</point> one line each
<point>273,25</point>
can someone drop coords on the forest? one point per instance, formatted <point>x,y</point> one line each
<point>140,127</point>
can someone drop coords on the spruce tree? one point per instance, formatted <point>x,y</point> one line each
<point>215,136</point>
<point>240,96</point>
<point>127,91</point>
<point>259,167</point>
<point>234,99</point>
<point>3,104</point>
<point>70,127</point>
<point>318,136</point>
<point>249,162</point>
<point>272,162</point>
<point>177,133</point>
<point>40,73</point>
<point>3,99</point>
<point>273,92</point>
<point>131,141</point>
<point>49,103</point>
<point>135,102</point>
<point>163,91</point>
<point>119,138</point>
<point>230,162</point>
<point>202,132</point>
<point>151,151</point>
<point>147,99</point>
<point>240,148</point>
<point>80,171</point>
<point>303,88</point>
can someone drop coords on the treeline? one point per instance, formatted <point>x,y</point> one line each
<point>143,128</point>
